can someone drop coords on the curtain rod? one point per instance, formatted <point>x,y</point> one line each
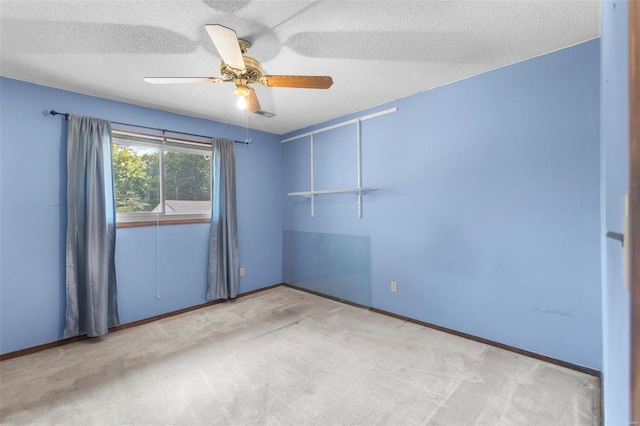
<point>66,117</point>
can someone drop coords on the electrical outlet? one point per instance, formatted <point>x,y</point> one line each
<point>394,286</point>
<point>242,272</point>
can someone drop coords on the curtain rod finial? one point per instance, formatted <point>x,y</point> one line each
<point>54,112</point>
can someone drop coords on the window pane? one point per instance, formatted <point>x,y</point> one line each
<point>135,178</point>
<point>187,182</point>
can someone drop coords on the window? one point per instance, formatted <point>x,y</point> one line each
<point>160,179</point>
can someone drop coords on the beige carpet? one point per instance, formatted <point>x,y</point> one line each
<point>287,357</point>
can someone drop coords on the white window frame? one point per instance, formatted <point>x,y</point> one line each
<point>162,143</point>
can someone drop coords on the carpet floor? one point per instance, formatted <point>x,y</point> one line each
<point>285,357</point>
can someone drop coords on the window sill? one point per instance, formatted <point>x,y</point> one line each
<point>161,222</point>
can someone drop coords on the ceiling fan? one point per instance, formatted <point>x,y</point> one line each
<point>243,71</point>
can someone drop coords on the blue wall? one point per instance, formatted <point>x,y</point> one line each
<point>33,218</point>
<point>487,212</point>
<point>615,183</point>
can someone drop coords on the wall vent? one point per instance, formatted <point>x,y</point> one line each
<point>265,113</point>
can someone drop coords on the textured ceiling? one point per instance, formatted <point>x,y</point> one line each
<point>376,51</point>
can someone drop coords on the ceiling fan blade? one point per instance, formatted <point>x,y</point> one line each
<point>253,104</point>
<point>299,81</point>
<point>182,80</point>
<point>226,41</point>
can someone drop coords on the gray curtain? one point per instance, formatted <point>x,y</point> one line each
<point>91,279</point>
<point>224,270</point>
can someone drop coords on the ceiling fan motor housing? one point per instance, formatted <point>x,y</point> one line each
<point>252,73</point>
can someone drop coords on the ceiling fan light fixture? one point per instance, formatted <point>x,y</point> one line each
<point>242,103</point>
<point>241,90</point>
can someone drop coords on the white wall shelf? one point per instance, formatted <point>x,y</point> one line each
<point>308,194</point>
<point>357,190</point>
<point>313,193</point>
